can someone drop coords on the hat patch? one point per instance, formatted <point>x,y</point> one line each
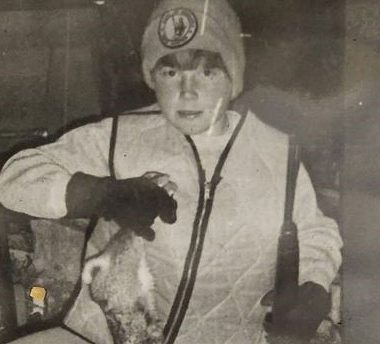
<point>177,27</point>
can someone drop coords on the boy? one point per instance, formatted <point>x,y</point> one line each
<point>227,171</point>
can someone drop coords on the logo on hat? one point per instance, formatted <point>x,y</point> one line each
<point>177,27</point>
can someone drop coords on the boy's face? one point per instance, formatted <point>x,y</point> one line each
<point>193,92</point>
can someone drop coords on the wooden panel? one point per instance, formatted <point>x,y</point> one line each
<point>27,5</point>
<point>32,29</point>
<point>46,68</point>
<point>361,182</point>
<point>23,87</point>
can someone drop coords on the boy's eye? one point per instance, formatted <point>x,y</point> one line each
<point>169,72</point>
<point>209,72</point>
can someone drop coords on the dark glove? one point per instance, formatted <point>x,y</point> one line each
<point>302,321</point>
<point>132,203</point>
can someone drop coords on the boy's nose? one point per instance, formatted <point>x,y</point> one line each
<point>188,86</point>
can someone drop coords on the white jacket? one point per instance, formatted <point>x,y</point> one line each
<point>238,260</point>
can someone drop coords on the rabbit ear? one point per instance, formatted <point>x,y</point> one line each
<point>93,266</point>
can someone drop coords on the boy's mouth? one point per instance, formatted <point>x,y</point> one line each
<point>188,114</point>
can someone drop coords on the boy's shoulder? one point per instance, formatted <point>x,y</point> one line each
<point>267,139</point>
<point>131,123</point>
<point>270,143</point>
<point>141,119</point>
<point>266,133</point>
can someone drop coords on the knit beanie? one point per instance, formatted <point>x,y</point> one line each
<point>195,24</point>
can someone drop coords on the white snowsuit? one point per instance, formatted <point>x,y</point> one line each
<point>238,260</point>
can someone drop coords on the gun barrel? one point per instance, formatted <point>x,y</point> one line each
<point>287,269</point>
<point>291,178</point>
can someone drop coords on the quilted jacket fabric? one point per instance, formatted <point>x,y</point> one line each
<point>239,254</point>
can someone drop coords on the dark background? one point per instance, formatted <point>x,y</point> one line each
<point>313,68</point>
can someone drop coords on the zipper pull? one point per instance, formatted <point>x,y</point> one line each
<point>207,190</point>
<point>214,182</point>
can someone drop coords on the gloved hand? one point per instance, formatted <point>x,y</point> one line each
<point>132,203</point>
<point>301,322</point>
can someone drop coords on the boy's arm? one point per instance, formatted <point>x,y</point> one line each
<point>34,181</point>
<point>319,239</point>
<point>319,261</point>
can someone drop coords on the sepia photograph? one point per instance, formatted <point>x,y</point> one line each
<point>189,171</point>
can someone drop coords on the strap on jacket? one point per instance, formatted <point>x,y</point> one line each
<point>115,125</point>
<point>186,285</point>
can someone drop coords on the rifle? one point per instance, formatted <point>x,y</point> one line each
<point>287,268</point>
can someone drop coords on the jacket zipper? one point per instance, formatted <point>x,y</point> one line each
<point>204,209</point>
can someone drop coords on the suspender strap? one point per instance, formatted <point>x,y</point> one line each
<point>111,152</point>
<point>186,285</point>
<point>115,125</point>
